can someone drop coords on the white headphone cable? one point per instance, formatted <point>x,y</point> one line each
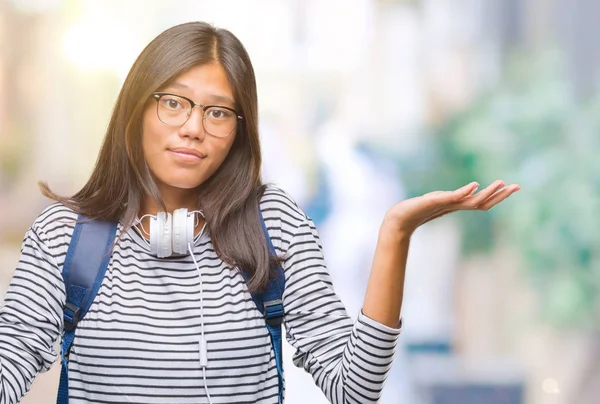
<point>203,349</point>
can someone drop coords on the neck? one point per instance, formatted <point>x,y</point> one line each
<point>174,198</point>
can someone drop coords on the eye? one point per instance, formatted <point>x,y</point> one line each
<point>172,103</point>
<point>219,114</point>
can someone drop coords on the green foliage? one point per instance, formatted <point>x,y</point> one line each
<point>532,130</point>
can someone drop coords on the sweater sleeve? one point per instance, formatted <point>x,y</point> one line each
<point>349,362</point>
<point>30,318</point>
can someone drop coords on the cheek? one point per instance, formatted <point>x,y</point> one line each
<point>226,148</point>
<point>149,144</point>
<point>151,138</point>
<point>221,152</point>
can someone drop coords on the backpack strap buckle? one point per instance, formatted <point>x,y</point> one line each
<point>72,315</point>
<point>274,312</point>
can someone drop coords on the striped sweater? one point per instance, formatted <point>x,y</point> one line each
<point>139,341</point>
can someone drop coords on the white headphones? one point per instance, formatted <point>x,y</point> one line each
<point>175,235</point>
<point>171,234</point>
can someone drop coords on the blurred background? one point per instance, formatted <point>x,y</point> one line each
<point>364,103</point>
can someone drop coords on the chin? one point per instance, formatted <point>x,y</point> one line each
<point>181,183</point>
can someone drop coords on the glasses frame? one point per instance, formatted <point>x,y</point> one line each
<point>159,94</point>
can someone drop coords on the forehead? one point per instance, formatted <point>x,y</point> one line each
<point>203,83</point>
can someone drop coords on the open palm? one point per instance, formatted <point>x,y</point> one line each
<point>408,215</point>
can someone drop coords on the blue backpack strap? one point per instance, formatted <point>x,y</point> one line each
<point>83,270</point>
<point>270,304</point>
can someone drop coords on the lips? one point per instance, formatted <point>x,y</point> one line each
<point>190,153</point>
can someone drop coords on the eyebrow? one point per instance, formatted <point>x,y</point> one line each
<point>213,97</point>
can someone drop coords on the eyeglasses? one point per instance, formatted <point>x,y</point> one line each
<point>175,110</point>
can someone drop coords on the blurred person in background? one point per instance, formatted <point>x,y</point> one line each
<point>143,337</point>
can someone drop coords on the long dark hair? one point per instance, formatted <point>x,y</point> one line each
<point>229,198</point>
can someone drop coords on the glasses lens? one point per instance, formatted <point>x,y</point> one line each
<point>173,110</point>
<point>219,122</point>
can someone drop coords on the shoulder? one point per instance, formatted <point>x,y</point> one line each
<point>55,218</point>
<point>54,227</point>
<point>282,216</point>
<point>277,204</point>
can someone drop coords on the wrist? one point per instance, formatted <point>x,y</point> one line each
<point>391,230</point>
<point>393,234</point>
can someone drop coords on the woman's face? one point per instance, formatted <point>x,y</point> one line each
<point>185,156</point>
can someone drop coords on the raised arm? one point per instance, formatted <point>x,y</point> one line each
<point>383,300</point>
<point>348,361</point>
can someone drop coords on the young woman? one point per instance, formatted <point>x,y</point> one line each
<point>184,134</point>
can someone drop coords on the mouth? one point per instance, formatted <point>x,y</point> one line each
<point>187,154</point>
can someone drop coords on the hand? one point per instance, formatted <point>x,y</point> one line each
<point>406,216</point>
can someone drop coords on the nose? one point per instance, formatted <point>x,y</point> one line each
<point>194,127</point>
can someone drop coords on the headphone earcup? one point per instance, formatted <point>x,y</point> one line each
<point>153,236</point>
<point>160,235</point>
<point>178,225</point>
<point>190,225</point>
<point>183,230</point>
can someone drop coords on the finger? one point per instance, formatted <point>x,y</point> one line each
<point>486,193</point>
<point>472,202</point>
<point>465,191</point>
<point>498,197</point>
<point>493,200</point>
<point>447,197</point>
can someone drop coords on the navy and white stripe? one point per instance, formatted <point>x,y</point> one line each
<point>139,341</point>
